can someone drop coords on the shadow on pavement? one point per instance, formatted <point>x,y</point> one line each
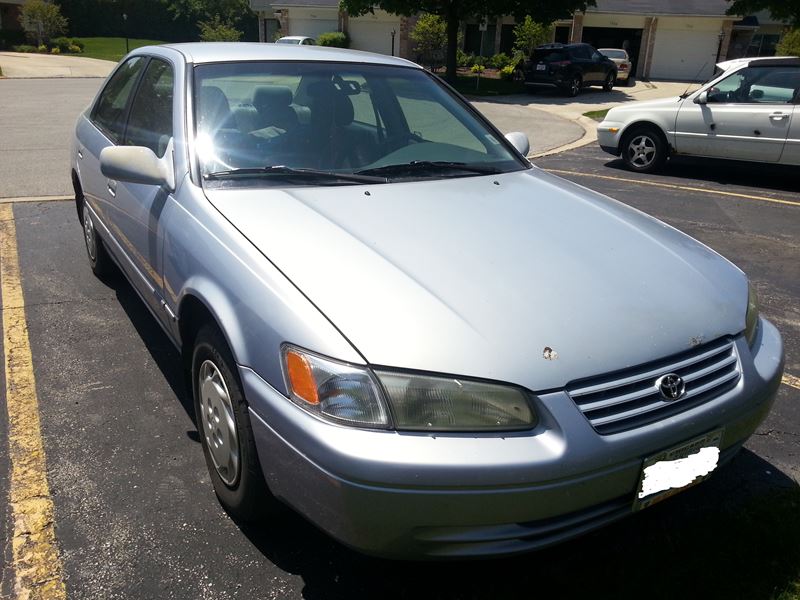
<point>735,536</point>
<point>555,97</point>
<point>724,172</point>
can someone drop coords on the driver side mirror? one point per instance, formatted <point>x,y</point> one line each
<point>702,98</point>
<point>137,164</point>
<point>520,141</point>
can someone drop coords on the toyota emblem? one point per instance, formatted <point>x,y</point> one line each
<point>671,386</point>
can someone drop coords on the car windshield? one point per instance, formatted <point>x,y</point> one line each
<point>614,53</point>
<point>319,119</point>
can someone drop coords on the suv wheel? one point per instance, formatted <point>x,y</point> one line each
<point>574,86</point>
<point>611,79</point>
<point>644,150</point>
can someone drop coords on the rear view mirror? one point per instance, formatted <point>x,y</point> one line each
<point>520,141</point>
<point>702,98</point>
<point>137,164</point>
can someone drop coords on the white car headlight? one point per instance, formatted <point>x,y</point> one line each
<point>751,318</point>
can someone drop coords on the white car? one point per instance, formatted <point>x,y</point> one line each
<point>748,111</point>
<point>623,62</point>
<point>297,40</point>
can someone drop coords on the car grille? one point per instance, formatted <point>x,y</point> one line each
<point>631,398</point>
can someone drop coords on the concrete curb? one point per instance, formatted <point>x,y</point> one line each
<point>589,136</point>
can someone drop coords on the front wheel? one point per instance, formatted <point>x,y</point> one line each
<point>225,431</point>
<point>99,260</point>
<point>644,150</point>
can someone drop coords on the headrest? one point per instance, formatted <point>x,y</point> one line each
<point>328,102</point>
<point>213,107</point>
<point>272,96</point>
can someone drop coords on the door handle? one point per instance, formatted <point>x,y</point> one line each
<point>778,116</point>
<point>112,187</point>
<point>80,153</point>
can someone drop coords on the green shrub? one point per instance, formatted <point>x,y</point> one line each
<point>507,72</point>
<point>74,49</point>
<point>476,68</point>
<point>64,44</point>
<point>789,44</point>
<point>479,60</point>
<point>500,61</point>
<point>217,30</point>
<point>336,39</point>
<point>25,48</point>
<point>42,48</point>
<point>55,50</point>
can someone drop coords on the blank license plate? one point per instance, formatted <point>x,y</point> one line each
<point>541,67</point>
<point>676,469</point>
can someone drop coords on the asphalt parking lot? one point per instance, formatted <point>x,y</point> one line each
<point>135,515</point>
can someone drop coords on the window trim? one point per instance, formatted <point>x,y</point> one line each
<point>725,75</point>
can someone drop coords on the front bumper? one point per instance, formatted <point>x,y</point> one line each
<point>609,135</point>
<point>413,495</point>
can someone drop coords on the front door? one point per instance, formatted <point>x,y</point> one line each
<point>747,116</point>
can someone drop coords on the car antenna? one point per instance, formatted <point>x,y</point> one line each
<point>686,91</point>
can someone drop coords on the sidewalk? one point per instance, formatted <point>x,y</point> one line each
<point>555,123</point>
<point>19,65</point>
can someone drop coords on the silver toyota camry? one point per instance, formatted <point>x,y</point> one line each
<point>391,321</point>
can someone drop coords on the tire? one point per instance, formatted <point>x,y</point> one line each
<point>574,86</point>
<point>608,84</point>
<point>630,82</point>
<point>101,263</point>
<point>226,434</point>
<point>644,150</point>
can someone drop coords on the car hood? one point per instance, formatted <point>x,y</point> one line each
<point>522,277</point>
<point>671,103</point>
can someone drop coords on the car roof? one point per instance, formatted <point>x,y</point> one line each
<point>221,52</point>
<point>559,46</point>
<point>615,49</point>
<point>762,61</point>
<point>295,37</point>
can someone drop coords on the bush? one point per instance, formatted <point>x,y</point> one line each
<point>476,68</point>
<point>479,60</point>
<point>463,59</point>
<point>507,72</point>
<point>74,49</point>
<point>25,48</point>
<point>500,61</point>
<point>217,30</point>
<point>55,50</point>
<point>789,44</point>
<point>42,48</point>
<point>335,39</point>
<point>65,44</point>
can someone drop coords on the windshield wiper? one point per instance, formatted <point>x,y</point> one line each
<point>427,165</point>
<point>292,172</point>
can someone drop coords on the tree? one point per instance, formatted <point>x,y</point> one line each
<point>790,44</point>
<point>783,10</point>
<point>231,13</point>
<point>455,11</point>
<point>430,38</point>
<point>42,20</point>
<point>217,30</point>
<point>528,34</point>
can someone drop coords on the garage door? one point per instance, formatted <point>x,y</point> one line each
<point>374,36</point>
<point>684,54</point>
<point>311,27</point>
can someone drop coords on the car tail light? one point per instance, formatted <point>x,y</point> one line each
<point>623,67</point>
<point>559,63</point>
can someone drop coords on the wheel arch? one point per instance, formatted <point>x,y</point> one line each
<point>78,188</point>
<point>641,125</point>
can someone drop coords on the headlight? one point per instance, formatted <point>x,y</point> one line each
<point>333,390</point>
<point>751,319</point>
<point>423,403</point>
<point>351,395</point>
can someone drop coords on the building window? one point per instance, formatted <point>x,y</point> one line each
<point>763,44</point>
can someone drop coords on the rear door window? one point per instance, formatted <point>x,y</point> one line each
<point>110,110</point>
<point>548,55</point>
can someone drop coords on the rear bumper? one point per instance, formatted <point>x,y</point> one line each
<point>418,495</point>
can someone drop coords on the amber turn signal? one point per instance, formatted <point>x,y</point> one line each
<point>301,378</point>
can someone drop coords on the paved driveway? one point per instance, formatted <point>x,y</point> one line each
<point>19,64</point>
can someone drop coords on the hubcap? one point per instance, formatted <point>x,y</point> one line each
<point>576,85</point>
<point>610,82</point>
<point>219,423</point>
<point>88,234</point>
<point>642,151</point>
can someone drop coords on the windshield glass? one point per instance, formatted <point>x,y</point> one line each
<point>336,118</point>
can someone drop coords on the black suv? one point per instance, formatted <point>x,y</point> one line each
<point>568,67</point>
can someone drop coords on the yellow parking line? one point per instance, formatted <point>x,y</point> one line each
<point>673,186</point>
<point>37,565</point>
<point>791,381</point>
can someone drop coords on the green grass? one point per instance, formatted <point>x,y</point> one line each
<point>597,115</point>
<point>111,48</point>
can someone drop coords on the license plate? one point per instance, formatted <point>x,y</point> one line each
<point>674,470</point>
<point>541,67</point>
